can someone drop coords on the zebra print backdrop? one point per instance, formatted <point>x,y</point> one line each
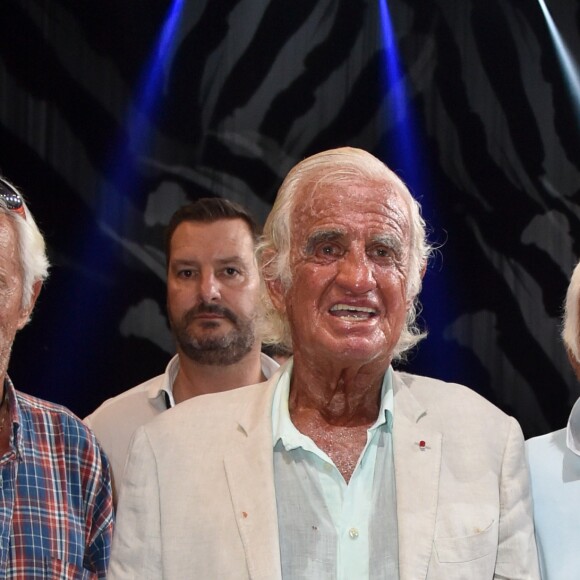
<point>108,131</point>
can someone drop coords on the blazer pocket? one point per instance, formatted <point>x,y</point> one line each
<point>468,548</point>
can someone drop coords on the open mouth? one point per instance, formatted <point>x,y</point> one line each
<point>350,312</point>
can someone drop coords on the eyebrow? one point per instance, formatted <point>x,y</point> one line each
<point>390,241</point>
<point>320,237</point>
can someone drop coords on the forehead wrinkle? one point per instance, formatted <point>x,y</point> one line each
<point>230,258</point>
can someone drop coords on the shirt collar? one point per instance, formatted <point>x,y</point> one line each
<point>573,429</point>
<point>15,418</point>
<point>283,428</point>
<point>165,389</point>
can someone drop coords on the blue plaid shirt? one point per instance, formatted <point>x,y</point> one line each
<point>56,511</point>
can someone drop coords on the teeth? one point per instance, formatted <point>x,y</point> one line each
<point>352,308</point>
<point>354,313</point>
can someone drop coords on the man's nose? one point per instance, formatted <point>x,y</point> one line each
<point>356,273</point>
<point>209,289</point>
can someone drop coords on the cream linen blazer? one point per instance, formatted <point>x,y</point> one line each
<point>198,497</point>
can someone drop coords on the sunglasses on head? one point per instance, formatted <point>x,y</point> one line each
<point>12,198</point>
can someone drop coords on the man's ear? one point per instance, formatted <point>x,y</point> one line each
<point>26,312</point>
<point>277,294</point>
<point>272,281</point>
<point>422,274</point>
<point>573,362</point>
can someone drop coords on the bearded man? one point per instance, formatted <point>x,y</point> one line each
<point>213,289</point>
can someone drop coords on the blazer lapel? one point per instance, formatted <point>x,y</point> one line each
<point>417,458</point>
<point>250,476</point>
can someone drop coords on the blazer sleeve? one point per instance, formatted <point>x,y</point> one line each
<point>517,557</point>
<point>136,552</point>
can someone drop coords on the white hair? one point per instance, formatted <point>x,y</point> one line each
<point>571,326</point>
<point>31,249</point>
<point>328,167</point>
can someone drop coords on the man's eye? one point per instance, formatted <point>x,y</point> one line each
<point>328,250</point>
<point>185,273</point>
<point>231,272</point>
<point>382,252</point>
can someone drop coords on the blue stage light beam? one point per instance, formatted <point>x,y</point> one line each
<point>137,134</point>
<point>569,65</point>
<point>152,82</point>
<point>403,149</point>
<point>95,288</point>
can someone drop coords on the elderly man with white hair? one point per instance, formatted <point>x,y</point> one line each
<point>56,510</point>
<point>338,466</point>
<point>555,469</point>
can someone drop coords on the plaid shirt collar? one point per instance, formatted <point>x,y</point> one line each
<point>15,418</point>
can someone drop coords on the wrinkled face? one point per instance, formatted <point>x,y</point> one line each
<point>12,316</point>
<point>349,258</point>
<point>213,290</point>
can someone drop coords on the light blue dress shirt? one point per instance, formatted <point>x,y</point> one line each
<point>554,461</point>
<point>329,529</point>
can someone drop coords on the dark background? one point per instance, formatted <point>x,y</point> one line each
<point>114,113</point>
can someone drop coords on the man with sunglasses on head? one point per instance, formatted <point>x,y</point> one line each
<point>213,291</point>
<point>56,511</point>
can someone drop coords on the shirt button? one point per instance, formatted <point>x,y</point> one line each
<point>353,533</point>
<point>327,467</point>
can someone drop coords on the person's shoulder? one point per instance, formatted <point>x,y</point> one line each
<point>31,405</point>
<point>461,413</point>
<point>126,402</point>
<point>214,408</point>
<point>551,444</point>
<point>463,417</point>
<point>443,394</point>
<point>226,401</point>
<point>53,418</point>
<point>206,421</point>
<point>548,439</point>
